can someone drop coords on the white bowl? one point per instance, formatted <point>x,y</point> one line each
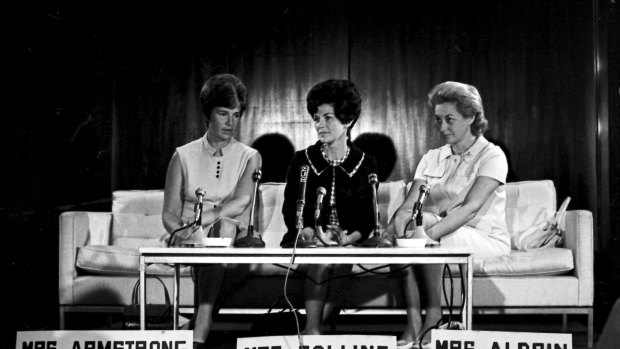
<point>216,242</point>
<point>412,243</point>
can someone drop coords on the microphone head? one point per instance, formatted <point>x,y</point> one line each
<point>257,175</point>
<point>303,174</point>
<point>424,191</point>
<point>321,191</point>
<point>201,192</point>
<point>372,179</point>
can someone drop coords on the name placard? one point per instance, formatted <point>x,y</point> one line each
<point>318,342</point>
<point>450,339</point>
<point>104,340</point>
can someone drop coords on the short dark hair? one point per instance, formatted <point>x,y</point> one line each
<point>466,99</point>
<point>223,90</point>
<point>342,94</point>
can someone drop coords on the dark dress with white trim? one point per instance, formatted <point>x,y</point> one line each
<point>354,209</point>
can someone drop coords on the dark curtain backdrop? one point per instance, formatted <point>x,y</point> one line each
<point>531,60</point>
<point>279,50</point>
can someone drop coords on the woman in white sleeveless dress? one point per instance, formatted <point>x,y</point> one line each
<point>223,168</point>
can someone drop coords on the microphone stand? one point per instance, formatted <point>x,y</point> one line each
<point>301,240</point>
<point>250,240</point>
<point>416,213</point>
<point>376,240</point>
<point>196,239</point>
<point>319,235</point>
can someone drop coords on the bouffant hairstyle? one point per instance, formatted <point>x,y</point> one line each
<point>466,99</point>
<point>222,90</point>
<point>342,94</point>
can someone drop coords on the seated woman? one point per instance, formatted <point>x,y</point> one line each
<point>465,207</point>
<point>223,168</point>
<point>342,170</point>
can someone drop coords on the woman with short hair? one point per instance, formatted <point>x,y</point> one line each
<point>223,168</point>
<point>466,203</point>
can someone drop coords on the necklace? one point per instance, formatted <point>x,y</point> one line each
<point>333,214</point>
<point>337,162</point>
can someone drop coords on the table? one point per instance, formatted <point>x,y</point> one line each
<point>276,255</point>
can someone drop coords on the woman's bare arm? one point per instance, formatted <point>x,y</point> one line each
<point>479,193</point>
<point>173,196</point>
<point>403,213</point>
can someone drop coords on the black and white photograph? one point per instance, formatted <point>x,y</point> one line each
<point>428,174</point>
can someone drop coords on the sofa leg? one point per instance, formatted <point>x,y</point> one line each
<point>564,323</point>
<point>590,328</point>
<point>61,318</point>
<point>110,320</point>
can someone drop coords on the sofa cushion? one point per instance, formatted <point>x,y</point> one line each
<point>138,230</point>
<point>108,260</point>
<point>528,203</point>
<point>546,261</point>
<point>389,198</point>
<point>270,220</point>
<point>149,202</point>
<point>117,260</point>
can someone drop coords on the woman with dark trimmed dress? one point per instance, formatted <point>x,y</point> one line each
<point>347,215</point>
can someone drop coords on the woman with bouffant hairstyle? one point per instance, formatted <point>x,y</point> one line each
<point>342,171</point>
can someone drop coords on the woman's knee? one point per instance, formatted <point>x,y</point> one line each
<point>225,228</point>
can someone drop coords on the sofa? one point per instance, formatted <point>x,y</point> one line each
<point>98,260</point>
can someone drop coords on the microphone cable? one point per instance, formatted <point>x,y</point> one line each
<point>407,225</point>
<point>462,291</point>
<point>288,301</point>
<point>450,325</point>
<point>349,275</point>
<point>189,225</point>
<point>373,270</point>
<point>449,302</point>
<point>178,230</point>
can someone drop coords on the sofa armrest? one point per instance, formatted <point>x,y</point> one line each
<point>78,229</point>
<point>579,238</point>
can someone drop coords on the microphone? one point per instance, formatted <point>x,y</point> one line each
<point>419,231</point>
<point>376,240</point>
<point>318,232</point>
<point>301,195</point>
<point>373,181</point>
<point>320,193</point>
<point>417,206</point>
<point>301,202</point>
<point>250,240</point>
<point>200,194</point>
<point>196,239</point>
